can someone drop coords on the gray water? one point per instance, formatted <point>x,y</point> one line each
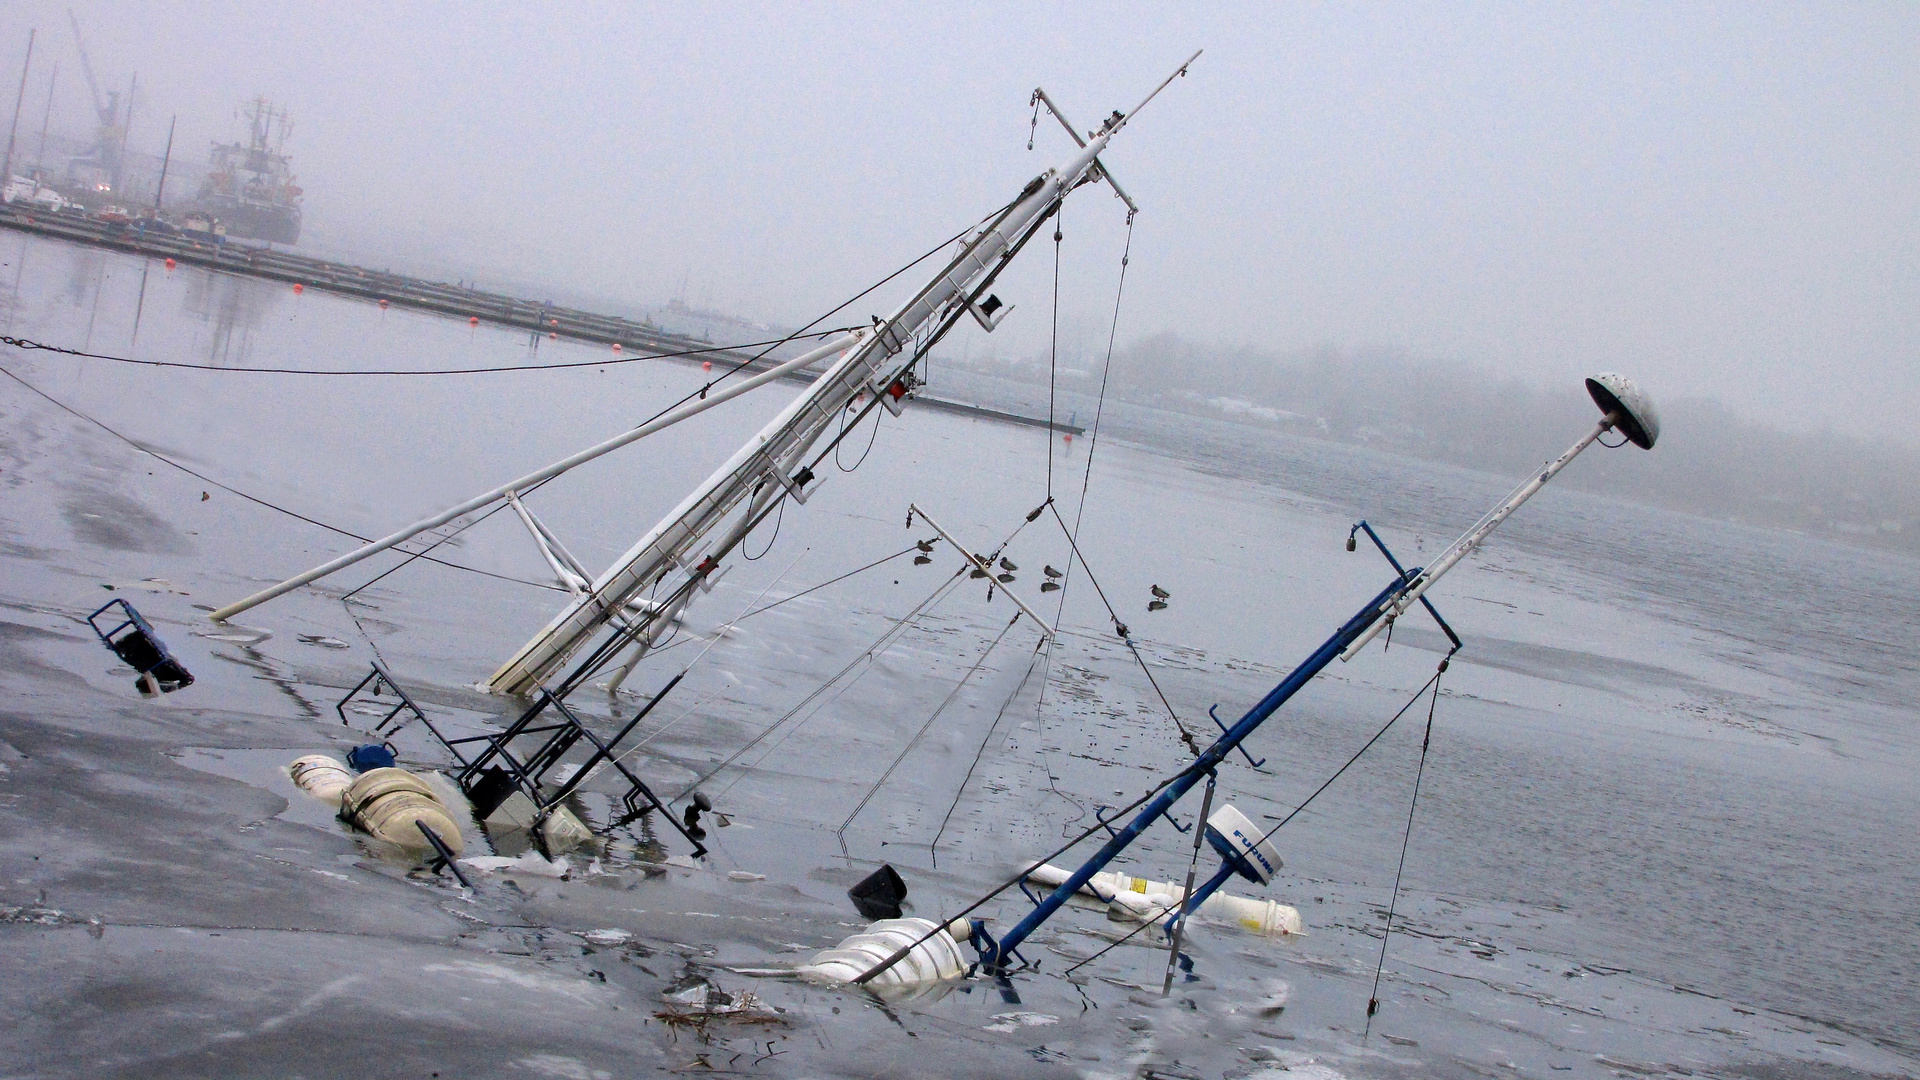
<point>1665,827</point>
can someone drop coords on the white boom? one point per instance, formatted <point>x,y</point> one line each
<point>514,487</point>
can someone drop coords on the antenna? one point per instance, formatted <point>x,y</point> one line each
<point>1114,123</point>
<point>1623,405</point>
<point>1178,72</point>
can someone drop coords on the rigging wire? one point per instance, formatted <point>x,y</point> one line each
<point>1126,638</point>
<point>1093,441</point>
<point>26,344</point>
<point>1432,683</point>
<point>978,663</point>
<point>1027,676</point>
<point>1053,348</point>
<point>830,581</point>
<point>412,555</point>
<point>1393,903</point>
<point>64,407</point>
<point>713,640</point>
<point>880,644</point>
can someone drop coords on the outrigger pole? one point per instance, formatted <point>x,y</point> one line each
<point>772,465</point>
<point>512,488</point>
<point>1623,407</point>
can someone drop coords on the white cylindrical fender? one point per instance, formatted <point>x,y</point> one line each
<point>392,804</point>
<point>1135,898</point>
<point>322,777</point>
<point>934,960</point>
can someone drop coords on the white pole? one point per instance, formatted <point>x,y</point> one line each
<point>690,409</point>
<point>874,364</point>
<point>1464,546</point>
<point>985,566</point>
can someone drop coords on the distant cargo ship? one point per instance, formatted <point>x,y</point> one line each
<point>251,188</point>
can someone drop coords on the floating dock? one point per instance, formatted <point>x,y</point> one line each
<point>420,294</point>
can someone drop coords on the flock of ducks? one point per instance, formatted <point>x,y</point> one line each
<point>981,569</point>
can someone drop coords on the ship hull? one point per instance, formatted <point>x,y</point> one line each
<point>257,221</point>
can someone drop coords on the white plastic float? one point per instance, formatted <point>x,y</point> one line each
<point>1142,900</point>
<point>392,804</point>
<point>322,777</point>
<point>936,959</point>
<point>389,804</point>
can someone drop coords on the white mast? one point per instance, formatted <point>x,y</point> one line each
<point>771,465</point>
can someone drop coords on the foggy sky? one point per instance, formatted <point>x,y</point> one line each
<point>1719,200</point>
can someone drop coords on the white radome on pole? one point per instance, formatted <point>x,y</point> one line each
<point>1623,405</point>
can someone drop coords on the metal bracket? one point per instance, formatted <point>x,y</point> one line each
<point>1222,724</point>
<point>1074,133</point>
<point>989,313</point>
<point>796,484</point>
<point>1406,574</point>
<point>894,391</point>
<point>446,859</point>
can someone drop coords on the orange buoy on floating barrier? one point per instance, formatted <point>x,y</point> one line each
<point>383,304</point>
<point>170,263</point>
<point>473,320</point>
<point>553,322</point>
<point>1068,437</point>
<point>298,288</point>
<point>551,336</point>
<point>706,365</point>
<point>616,346</point>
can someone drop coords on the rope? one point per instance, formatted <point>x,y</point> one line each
<point>1053,352</point>
<point>1093,441</point>
<point>1126,638</point>
<point>879,644</point>
<point>1426,741</point>
<point>64,407</point>
<point>978,663</point>
<point>934,847</point>
<point>29,345</point>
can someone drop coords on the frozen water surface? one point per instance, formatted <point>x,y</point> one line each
<point>1666,827</point>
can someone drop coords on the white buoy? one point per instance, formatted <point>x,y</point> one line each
<point>392,804</point>
<point>936,959</point>
<point>1140,900</point>
<point>322,777</point>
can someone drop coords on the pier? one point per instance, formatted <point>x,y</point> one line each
<point>421,294</point>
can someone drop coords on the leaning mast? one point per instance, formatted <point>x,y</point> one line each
<point>877,361</point>
<point>771,466</point>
